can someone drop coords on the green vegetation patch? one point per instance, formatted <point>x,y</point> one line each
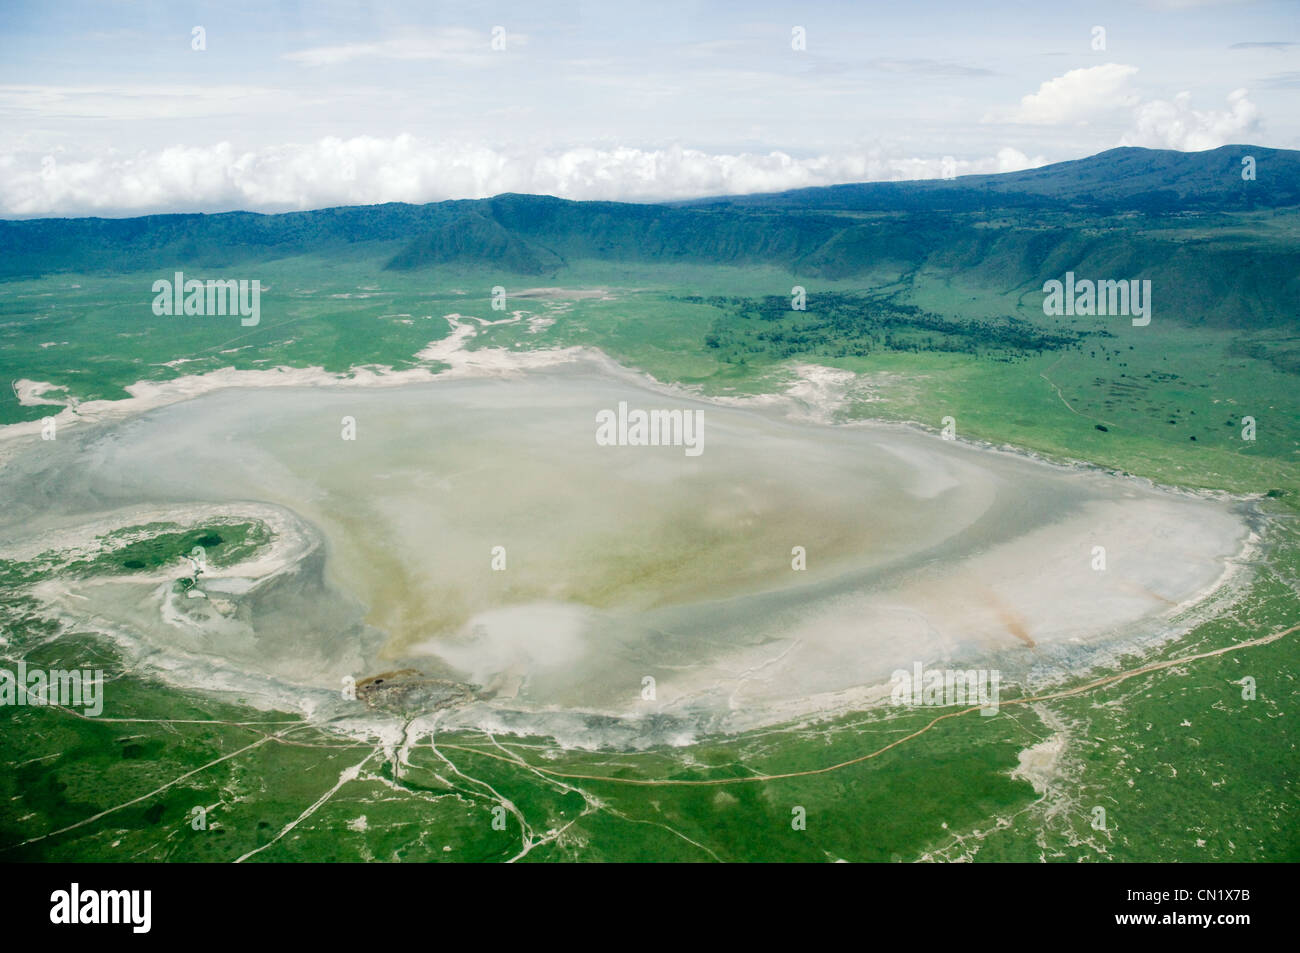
<point>145,548</point>
<point>836,325</point>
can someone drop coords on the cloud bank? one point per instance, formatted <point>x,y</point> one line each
<point>1084,95</point>
<point>366,171</point>
<point>1160,124</point>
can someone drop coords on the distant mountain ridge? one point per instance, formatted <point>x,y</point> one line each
<point>1123,179</point>
<point>1122,213</point>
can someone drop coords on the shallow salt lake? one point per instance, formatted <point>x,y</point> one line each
<point>621,562</point>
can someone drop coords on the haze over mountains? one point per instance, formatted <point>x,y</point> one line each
<point>1188,221</point>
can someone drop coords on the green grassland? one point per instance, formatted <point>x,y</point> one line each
<point>1017,380</point>
<point>1218,789</point>
<point>123,786</point>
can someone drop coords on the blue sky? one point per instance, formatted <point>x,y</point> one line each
<point>107,109</point>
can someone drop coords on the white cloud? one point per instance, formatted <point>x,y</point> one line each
<point>1006,160</point>
<point>1077,95</point>
<point>1160,124</point>
<point>367,170</point>
<point>1154,123</point>
<point>454,44</point>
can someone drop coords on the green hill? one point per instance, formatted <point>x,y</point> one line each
<point>1220,250</point>
<point>1124,179</point>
